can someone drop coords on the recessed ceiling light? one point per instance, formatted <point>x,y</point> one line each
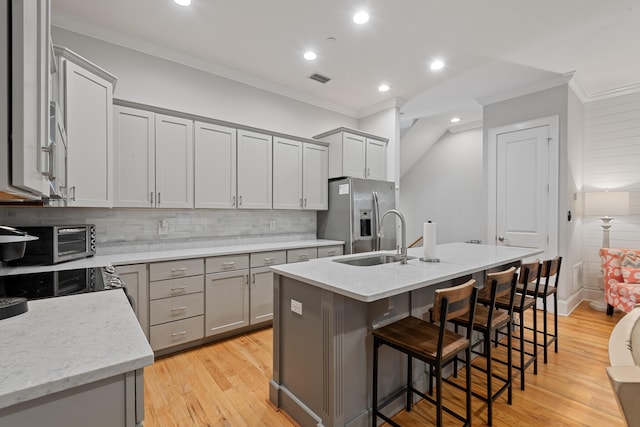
<point>360,17</point>
<point>183,2</point>
<point>437,65</point>
<point>310,55</point>
<point>455,119</point>
<point>384,88</point>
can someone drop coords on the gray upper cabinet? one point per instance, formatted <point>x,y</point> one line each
<point>134,168</point>
<point>215,166</point>
<point>254,170</point>
<point>26,60</point>
<point>84,92</point>
<point>300,173</point>
<point>174,162</point>
<point>153,159</point>
<point>356,154</point>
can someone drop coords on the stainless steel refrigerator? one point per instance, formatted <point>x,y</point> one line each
<point>355,209</point>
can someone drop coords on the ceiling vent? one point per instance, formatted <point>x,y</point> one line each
<point>319,78</point>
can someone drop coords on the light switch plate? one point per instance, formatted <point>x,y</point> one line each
<point>296,307</point>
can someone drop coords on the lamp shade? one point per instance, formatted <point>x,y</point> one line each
<point>607,203</point>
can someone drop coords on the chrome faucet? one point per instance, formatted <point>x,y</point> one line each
<point>403,225</point>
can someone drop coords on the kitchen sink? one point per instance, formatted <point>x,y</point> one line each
<point>370,260</point>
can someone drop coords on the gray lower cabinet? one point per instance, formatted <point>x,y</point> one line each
<point>261,295</point>
<point>328,251</point>
<point>177,304</point>
<point>137,281</point>
<point>227,301</point>
<point>299,255</point>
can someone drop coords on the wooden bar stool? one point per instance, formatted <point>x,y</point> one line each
<point>528,279</point>
<point>431,343</point>
<point>549,279</point>
<point>489,319</point>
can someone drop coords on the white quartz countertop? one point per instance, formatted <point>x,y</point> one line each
<point>381,281</point>
<point>65,342</point>
<point>167,255</point>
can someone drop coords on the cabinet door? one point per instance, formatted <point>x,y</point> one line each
<point>133,157</point>
<point>30,86</point>
<point>261,295</point>
<point>287,174</point>
<point>254,170</point>
<point>137,281</point>
<point>353,155</point>
<point>227,301</point>
<point>215,166</point>
<point>315,178</point>
<point>88,123</point>
<point>376,159</point>
<point>174,162</point>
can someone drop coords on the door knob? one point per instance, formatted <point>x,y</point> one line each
<point>501,238</point>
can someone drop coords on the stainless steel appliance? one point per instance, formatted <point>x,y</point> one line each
<point>355,209</point>
<point>58,243</point>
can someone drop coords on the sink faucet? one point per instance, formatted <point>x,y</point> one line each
<point>403,225</point>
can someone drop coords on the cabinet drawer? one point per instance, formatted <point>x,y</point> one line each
<point>174,269</point>
<point>176,308</point>
<point>304,254</point>
<point>174,333</point>
<point>217,264</point>
<point>327,251</point>
<point>176,287</point>
<point>265,259</point>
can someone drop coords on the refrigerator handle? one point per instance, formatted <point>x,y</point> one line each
<point>376,216</point>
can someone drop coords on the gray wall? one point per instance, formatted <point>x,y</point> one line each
<point>137,229</point>
<point>445,186</point>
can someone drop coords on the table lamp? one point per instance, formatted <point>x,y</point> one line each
<point>604,204</point>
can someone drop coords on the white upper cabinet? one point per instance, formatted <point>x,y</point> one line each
<point>356,154</point>
<point>300,175</point>
<point>254,170</point>
<point>287,174</point>
<point>174,162</point>
<point>134,157</point>
<point>85,93</point>
<point>215,166</point>
<point>315,176</point>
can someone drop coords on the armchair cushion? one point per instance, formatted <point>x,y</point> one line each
<point>618,292</point>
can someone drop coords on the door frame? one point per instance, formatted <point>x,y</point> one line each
<point>553,122</point>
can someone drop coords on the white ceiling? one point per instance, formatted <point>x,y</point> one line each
<point>489,46</point>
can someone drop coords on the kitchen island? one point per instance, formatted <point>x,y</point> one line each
<point>73,360</point>
<point>323,316</point>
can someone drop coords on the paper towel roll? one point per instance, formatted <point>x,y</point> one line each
<point>429,241</point>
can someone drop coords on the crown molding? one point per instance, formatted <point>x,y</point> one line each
<point>526,90</point>
<point>578,88</point>
<point>144,46</point>
<point>612,93</point>
<point>465,126</point>
<point>385,105</point>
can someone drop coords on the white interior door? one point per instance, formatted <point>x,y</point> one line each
<point>522,165</point>
<point>522,195</point>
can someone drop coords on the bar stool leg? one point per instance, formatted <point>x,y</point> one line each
<point>439,395</point>
<point>487,344</point>
<point>374,410</point>
<point>555,320</point>
<point>468,374</point>
<point>535,340</point>
<point>522,349</point>
<point>409,382</point>
<point>510,366</point>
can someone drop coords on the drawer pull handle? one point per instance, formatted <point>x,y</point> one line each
<point>304,256</point>
<point>268,260</point>
<point>175,334</point>
<point>179,288</point>
<point>331,253</point>
<point>228,264</point>
<point>179,270</point>
<point>183,308</point>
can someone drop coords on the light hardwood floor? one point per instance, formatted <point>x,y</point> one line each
<point>226,384</point>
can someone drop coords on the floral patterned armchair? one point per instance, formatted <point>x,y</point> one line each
<point>621,278</point>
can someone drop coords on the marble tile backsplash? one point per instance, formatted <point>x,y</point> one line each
<point>134,230</point>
